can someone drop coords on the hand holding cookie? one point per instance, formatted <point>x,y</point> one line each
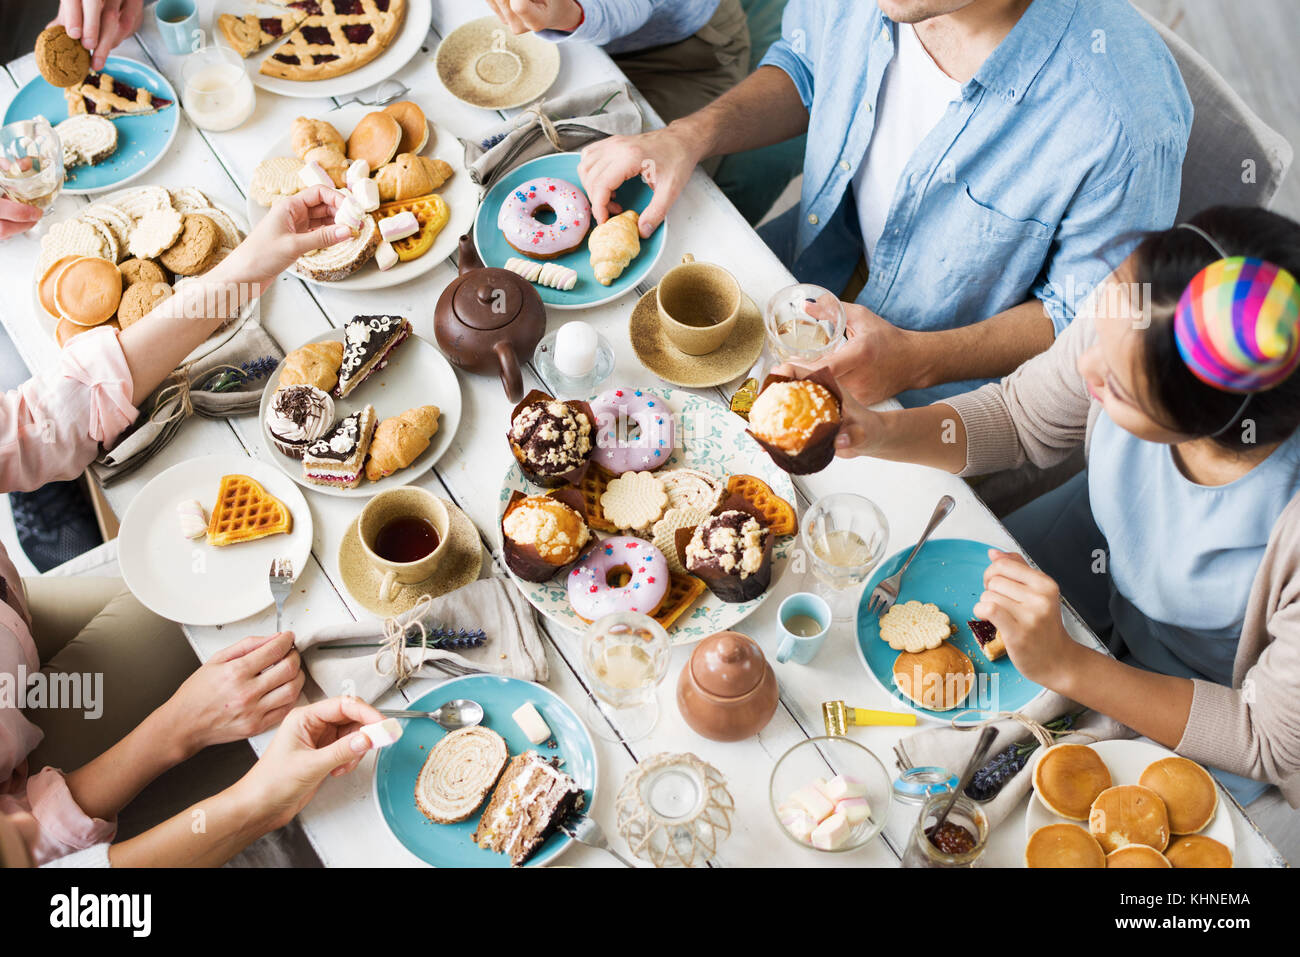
<point>100,25</point>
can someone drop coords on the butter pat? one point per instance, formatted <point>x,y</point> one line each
<point>366,192</point>
<point>357,172</point>
<point>385,256</point>
<point>383,733</point>
<point>842,786</point>
<point>856,809</point>
<point>313,174</point>
<point>814,802</point>
<point>399,227</point>
<point>532,724</point>
<point>831,833</point>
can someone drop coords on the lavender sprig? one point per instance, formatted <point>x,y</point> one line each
<point>444,639</point>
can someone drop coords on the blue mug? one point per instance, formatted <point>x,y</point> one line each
<point>802,649</point>
<point>178,25</point>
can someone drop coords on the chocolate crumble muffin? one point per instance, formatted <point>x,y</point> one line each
<point>732,552</point>
<point>550,439</point>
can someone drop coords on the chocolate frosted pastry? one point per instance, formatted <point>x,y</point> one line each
<point>732,552</point>
<point>796,421</point>
<point>543,534</point>
<point>367,345</point>
<point>551,440</point>
<point>297,416</point>
<point>336,459</point>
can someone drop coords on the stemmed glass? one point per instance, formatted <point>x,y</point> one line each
<point>844,535</point>
<point>793,334</point>
<point>31,162</point>
<point>626,656</point>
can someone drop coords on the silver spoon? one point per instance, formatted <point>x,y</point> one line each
<point>976,762</point>
<point>386,92</point>
<point>454,715</point>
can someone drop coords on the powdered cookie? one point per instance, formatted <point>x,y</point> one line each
<point>86,139</point>
<point>634,500</point>
<point>915,626</point>
<point>141,270</point>
<point>139,300</point>
<point>62,60</point>
<point>197,242</point>
<point>155,231</point>
<point>275,177</point>
<point>664,532</point>
<point>139,202</point>
<point>72,238</point>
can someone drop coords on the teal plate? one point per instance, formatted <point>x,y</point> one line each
<point>948,572</point>
<point>398,766</point>
<point>494,250</point>
<point>141,140</point>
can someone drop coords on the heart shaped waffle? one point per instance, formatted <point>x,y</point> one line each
<point>245,511</point>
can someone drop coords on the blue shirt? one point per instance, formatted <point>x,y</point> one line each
<point>1070,136</point>
<point>621,26</point>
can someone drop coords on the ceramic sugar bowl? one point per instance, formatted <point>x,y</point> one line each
<point>727,690</point>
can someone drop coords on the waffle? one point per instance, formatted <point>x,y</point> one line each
<point>245,511</point>
<point>593,486</point>
<point>430,211</point>
<point>681,595</point>
<point>778,514</point>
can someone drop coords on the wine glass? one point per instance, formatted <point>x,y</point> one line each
<point>31,162</point>
<point>844,535</point>
<point>626,656</point>
<point>793,334</point>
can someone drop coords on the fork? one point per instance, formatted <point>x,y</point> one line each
<point>386,92</point>
<point>281,580</point>
<point>885,594</point>
<point>585,830</point>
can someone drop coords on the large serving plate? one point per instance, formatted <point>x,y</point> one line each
<point>416,374</point>
<point>407,43</point>
<point>460,194</point>
<point>398,767</point>
<point>948,572</point>
<point>141,140</point>
<point>717,444</point>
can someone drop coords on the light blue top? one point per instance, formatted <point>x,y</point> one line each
<point>1071,134</point>
<point>621,26</point>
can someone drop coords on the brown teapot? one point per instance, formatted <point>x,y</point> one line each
<point>489,320</point>
<point>727,690</point>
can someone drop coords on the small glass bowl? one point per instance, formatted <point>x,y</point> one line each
<point>825,757</point>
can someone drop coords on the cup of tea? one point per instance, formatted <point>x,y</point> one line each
<point>698,304</point>
<point>403,533</point>
<point>178,25</point>
<point>804,619</point>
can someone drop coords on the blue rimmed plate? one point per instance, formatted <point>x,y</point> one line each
<point>398,766</point>
<point>949,572</point>
<point>494,250</point>
<point>141,140</point>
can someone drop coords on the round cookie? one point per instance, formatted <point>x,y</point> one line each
<point>88,290</point>
<point>141,270</point>
<point>62,60</point>
<point>198,240</point>
<point>139,300</point>
<point>915,626</point>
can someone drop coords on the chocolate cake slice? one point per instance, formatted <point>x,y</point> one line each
<point>530,802</point>
<point>337,458</point>
<point>367,344</point>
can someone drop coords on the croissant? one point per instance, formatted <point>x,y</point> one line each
<point>409,175</point>
<point>613,244</point>
<point>400,439</point>
<point>307,134</point>
<point>316,363</point>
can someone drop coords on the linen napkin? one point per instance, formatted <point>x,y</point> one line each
<point>227,381</point>
<point>561,125</point>
<point>951,748</point>
<point>513,647</point>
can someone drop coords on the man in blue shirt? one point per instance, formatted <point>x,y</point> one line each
<point>1064,135</point>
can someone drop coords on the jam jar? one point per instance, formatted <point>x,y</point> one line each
<point>959,842</point>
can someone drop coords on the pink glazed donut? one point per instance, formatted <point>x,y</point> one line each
<point>593,597</point>
<point>521,228</point>
<point>650,449</point>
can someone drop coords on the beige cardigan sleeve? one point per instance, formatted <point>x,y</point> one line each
<point>1039,413</point>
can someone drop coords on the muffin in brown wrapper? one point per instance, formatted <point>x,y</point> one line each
<point>819,447</point>
<point>572,476</point>
<point>524,559</point>
<point>727,586</point>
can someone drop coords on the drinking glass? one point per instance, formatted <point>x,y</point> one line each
<point>793,334</point>
<point>844,535</point>
<point>626,656</point>
<point>31,162</point>
<point>217,93</point>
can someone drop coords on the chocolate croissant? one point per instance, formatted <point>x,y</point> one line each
<point>316,363</point>
<point>399,440</point>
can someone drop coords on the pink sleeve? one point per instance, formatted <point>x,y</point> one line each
<point>52,426</point>
<point>62,827</point>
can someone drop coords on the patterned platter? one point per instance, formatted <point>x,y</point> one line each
<point>715,442</point>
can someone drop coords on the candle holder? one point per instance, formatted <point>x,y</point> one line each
<point>674,810</point>
<point>583,361</point>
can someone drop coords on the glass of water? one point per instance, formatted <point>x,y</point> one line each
<point>31,162</point>
<point>844,536</point>
<point>625,656</point>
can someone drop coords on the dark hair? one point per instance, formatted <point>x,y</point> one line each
<point>1164,263</point>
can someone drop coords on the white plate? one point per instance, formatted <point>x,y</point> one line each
<point>718,446</point>
<point>194,582</point>
<point>407,43</point>
<point>417,374</point>
<point>220,336</point>
<point>459,192</point>
<point>1126,760</point>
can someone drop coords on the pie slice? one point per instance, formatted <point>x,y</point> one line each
<point>990,640</point>
<point>102,94</point>
<point>337,37</point>
<point>245,511</point>
<point>249,33</point>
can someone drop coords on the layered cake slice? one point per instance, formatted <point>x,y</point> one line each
<point>367,344</point>
<point>531,801</point>
<point>337,458</point>
<point>990,640</point>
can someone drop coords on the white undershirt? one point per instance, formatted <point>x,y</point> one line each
<point>914,93</point>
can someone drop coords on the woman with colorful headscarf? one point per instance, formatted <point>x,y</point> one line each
<point>1180,544</point>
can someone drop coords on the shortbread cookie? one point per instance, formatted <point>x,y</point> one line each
<point>198,240</point>
<point>62,60</point>
<point>634,500</point>
<point>112,217</point>
<point>139,300</point>
<point>141,270</point>
<point>664,533</point>
<point>189,199</point>
<point>72,237</point>
<point>274,177</point>
<point>140,202</point>
<point>87,139</point>
<point>226,227</point>
<point>914,626</point>
<point>155,231</point>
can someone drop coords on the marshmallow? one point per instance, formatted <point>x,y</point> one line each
<point>383,733</point>
<point>385,256</point>
<point>349,214</point>
<point>358,171</point>
<point>313,174</point>
<point>856,809</point>
<point>841,786</point>
<point>800,826</point>
<point>192,519</point>
<point>831,833</point>
<point>814,802</point>
<point>399,227</point>
<point>532,724</point>
<point>366,192</point>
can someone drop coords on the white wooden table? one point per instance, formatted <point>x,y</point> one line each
<point>342,823</point>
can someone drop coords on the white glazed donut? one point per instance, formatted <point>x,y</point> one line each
<point>648,450</point>
<point>593,597</point>
<point>518,222</point>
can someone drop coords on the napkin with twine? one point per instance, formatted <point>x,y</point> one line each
<point>950,748</point>
<point>227,381</point>
<point>561,125</point>
<point>393,652</point>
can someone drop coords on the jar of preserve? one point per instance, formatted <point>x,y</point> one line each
<point>959,842</point>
